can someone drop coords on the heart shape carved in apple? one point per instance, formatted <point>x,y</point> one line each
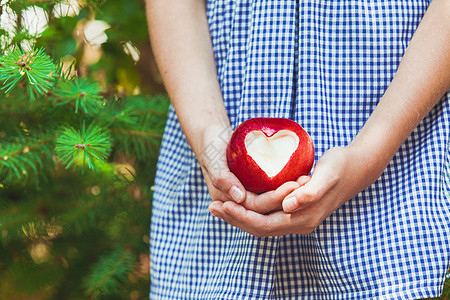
<point>264,153</point>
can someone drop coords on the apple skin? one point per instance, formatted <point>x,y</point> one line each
<point>250,173</point>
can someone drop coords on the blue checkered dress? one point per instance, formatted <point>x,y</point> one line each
<point>325,64</point>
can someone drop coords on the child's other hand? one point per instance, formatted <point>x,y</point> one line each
<point>336,178</point>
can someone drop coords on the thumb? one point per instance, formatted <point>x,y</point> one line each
<point>313,190</point>
<point>226,182</point>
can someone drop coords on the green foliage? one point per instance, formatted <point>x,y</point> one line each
<point>85,146</point>
<point>80,129</point>
<point>34,69</point>
<point>109,270</point>
<point>81,93</point>
<point>18,162</point>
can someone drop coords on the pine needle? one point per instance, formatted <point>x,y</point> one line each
<point>18,161</point>
<point>83,146</point>
<point>35,69</point>
<point>82,93</point>
<point>110,273</point>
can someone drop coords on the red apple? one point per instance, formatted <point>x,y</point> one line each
<point>264,153</point>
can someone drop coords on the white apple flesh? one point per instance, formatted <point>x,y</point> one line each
<point>271,153</point>
<point>266,152</point>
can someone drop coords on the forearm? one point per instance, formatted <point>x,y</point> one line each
<point>182,47</point>
<point>421,80</point>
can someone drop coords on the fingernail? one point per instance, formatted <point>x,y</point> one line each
<point>236,194</point>
<point>214,212</point>
<point>290,204</point>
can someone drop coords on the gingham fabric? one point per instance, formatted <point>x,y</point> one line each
<point>325,64</point>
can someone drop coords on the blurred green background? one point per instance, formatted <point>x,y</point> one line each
<point>80,127</point>
<point>69,231</point>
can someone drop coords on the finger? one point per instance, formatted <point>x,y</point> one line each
<point>302,180</point>
<point>269,201</point>
<point>274,224</point>
<point>322,181</point>
<point>259,225</point>
<point>235,215</point>
<point>227,183</point>
<point>216,209</point>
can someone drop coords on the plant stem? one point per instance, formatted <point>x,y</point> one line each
<point>27,148</point>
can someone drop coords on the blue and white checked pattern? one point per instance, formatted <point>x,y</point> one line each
<point>326,64</point>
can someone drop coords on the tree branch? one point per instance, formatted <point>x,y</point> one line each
<point>137,133</point>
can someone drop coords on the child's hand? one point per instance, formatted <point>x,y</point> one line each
<point>336,179</point>
<point>224,186</point>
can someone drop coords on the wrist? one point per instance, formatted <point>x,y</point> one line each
<point>201,124</point>
<point>211,144</point>
<point>369,159</point>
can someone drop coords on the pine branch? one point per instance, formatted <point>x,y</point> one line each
<point>137,133</point>
<point>110,273</point>
<point>18,161</point>
<point>137,124</point>
<point>83,147</point>
<point>85,220</point>
<point>11,221</point>
<point>80,93</point>
<point>33,69</point>
<point>39,1</point>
